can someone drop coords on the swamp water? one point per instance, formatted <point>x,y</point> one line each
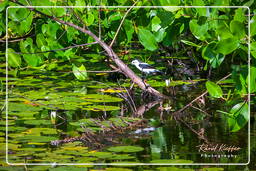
<point>44,108</point>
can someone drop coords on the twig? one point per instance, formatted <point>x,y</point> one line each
<point>200,110</point>
<point>204,93</point>
<point>120,25</point>
<point>17,39</point>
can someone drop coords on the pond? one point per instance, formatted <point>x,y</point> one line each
<point>53,118</point>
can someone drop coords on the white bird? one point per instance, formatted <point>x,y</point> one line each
<point>146,68</point>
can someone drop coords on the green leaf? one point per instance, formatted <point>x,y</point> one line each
<point>253,26</point>
<point>22,25</point>
<point>101,98</point>
<point>50,29</point>
<point>210,55</point>
<point>18,14</point>
<point>27,46</point>
<point>42,44</point>
<point>155,23</point>
<point>129,30</point>
<point>72,33</point>
<point>147,39</point>
<point>253,49</point>
<point>200,11</point>
<point>160,34</point>
<point>59,12</point>
<point>199,31</point>
<point>214,89</point>
<point>252,79</point>
<point>170,3</point>
<point>101,108</point>
<point>227,46</point>
<point>190,43</point>
<point>14,60</point>
<point>126,149</point>
<point>88,19</point>
<point>239,15</point>
<point>248,3</point>
<point>166,17</point>
<point>80,3</point>
<point>240,116</point>
<point>80,72</point>
<point>237,28</point>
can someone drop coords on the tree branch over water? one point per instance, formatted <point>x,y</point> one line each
<point>121,65</point>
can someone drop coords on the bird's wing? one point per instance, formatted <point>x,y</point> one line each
<point>146,66</point>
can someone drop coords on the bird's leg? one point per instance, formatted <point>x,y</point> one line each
<point>143,80</point>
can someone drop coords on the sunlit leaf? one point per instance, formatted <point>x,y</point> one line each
<point>214,89</point>
<point>14,60</point>
<point>227,46</point>
<point>80,72</point>
<point>199,31</point>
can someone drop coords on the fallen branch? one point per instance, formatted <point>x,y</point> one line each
<point>121,65</point>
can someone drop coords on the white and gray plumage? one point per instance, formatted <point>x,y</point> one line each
<point>146,68</point>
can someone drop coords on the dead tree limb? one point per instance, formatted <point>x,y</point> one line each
<point>121,65</point>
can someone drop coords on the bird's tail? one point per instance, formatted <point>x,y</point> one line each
<point>160,72</point>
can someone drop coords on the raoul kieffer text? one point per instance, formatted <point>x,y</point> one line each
<point>217,148</point>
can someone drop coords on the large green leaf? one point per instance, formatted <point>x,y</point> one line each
<point>147,39</point>
<point>240,116</point>
<point>227,46</point>
<point>14,60</point>
<point>223,29</point>
<point>214,89</point>
<point>237,28</point>
<point>129,30</point>
<point>199,31</point>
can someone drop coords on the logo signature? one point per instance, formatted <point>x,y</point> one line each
<point>217,148</point>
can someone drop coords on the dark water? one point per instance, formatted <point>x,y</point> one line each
<point>34,100</point>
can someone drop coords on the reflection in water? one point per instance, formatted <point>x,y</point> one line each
<point>90,113</point>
